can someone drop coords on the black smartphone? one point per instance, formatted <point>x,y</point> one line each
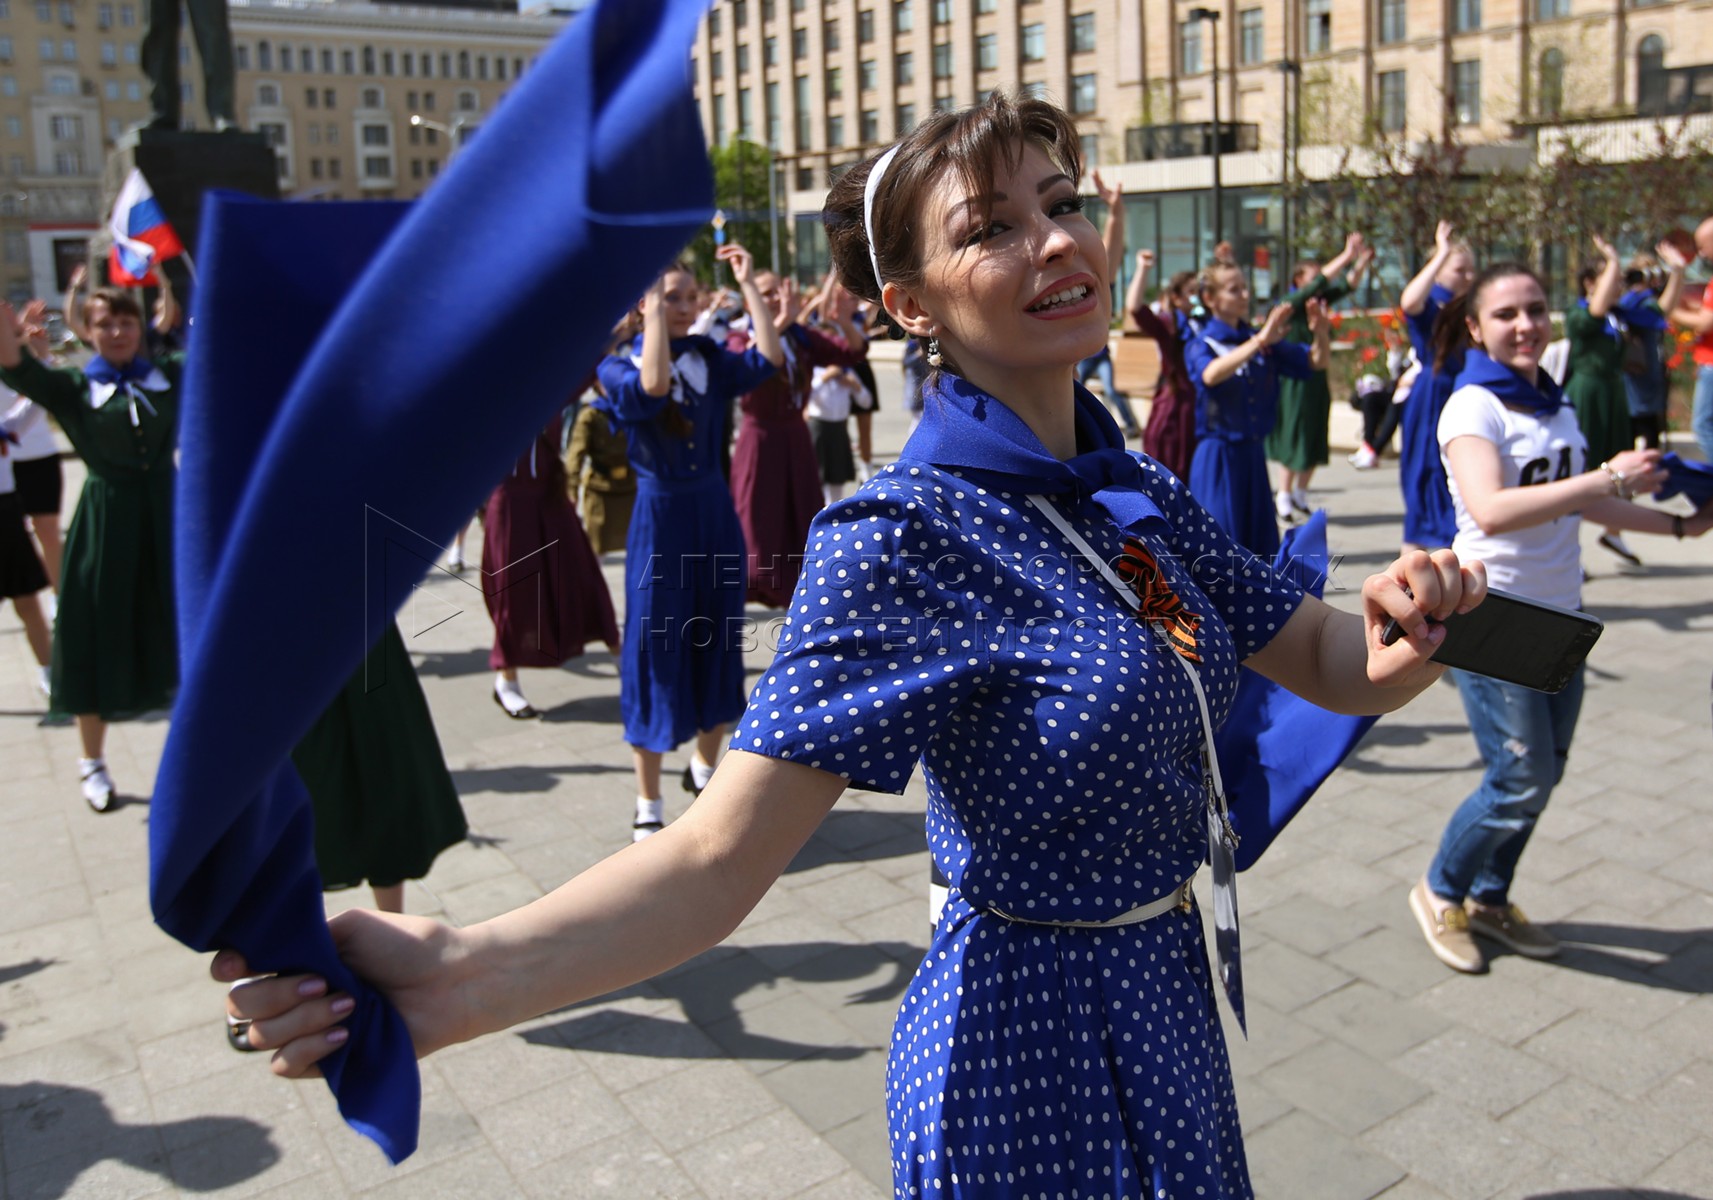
<point>1516,640</point>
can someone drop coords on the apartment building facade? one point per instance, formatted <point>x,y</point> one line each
<point>332,85</point>
<point>825,82</point>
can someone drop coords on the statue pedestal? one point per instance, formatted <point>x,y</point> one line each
<point>180,166</point>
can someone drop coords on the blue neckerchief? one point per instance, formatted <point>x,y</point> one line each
<point>1542,398</point>
<point>1612,328</point>
<point>966,430</point>
<point>1686,477</point>
<point>1440,295</point>
<point>102,371</point>
<point>1216,330</point>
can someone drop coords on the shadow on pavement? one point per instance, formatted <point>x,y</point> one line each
<point>1612,1194</point>
<point>20,970</point>
<point>53,1134</point>
<point>1676,617</point>
<point>1678,960</point>
<point>1399,733</point>
<point>600,709</point>
<point>861,835</point>
<point>525,778</point>
<point>708,994</point>
<point>451,664</point>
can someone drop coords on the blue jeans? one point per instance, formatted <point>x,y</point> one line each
<point>1101,365</point>
<point>1524,738</point>
<point>1701,416</point>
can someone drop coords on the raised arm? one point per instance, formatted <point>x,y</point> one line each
<point>1114,236</point>
<point>1610,285</point>
<point>1359,268</point>
<point>1675,265</point>
<point>1227,365</point>
<point>1417,290</point>
<point>1336,264</point>
<point>743,271</point>
<point>1136,297</point>
<point>655,367</point>
<point>73,308</point>
<point>649,907</point>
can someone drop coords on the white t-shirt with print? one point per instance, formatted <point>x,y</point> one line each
<point>1543,562</point>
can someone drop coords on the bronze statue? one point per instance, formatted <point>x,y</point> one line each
<point>212,29</point>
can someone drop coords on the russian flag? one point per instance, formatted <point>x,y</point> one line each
<point>141,235</point>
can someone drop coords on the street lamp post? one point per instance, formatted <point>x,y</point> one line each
<point>1287,70</point>
<point>454,132</point>
<point>1211,16</point>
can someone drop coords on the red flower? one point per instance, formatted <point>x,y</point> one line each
<point>1674,362</point>
<point>1369,354</point>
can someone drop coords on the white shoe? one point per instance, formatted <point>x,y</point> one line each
<point>1282,506</point>
<point>96,783</point>
<point>53,606</point>
<point>44,681</point>
<point>1365,459</point>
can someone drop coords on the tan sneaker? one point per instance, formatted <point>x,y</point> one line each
<point>1510,928</point>
<point>1447,932</point>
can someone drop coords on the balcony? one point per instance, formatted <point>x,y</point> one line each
<point>1191,139</point>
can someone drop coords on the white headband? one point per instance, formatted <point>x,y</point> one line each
<point>869,189</point>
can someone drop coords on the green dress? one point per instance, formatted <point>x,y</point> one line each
<point>1594,384</point>
<point>1299,439</point>
<point>385,805</point>
<point>115,643</point>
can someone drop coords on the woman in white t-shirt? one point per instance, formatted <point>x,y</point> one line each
<point>1522,484</point>
<point>833,395</point>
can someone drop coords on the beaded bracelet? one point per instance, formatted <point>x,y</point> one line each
<point>1620,486</point>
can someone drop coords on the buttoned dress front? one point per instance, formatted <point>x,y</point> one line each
<point>943,621</point>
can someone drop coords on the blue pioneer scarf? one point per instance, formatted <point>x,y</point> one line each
<point>1541,398</point>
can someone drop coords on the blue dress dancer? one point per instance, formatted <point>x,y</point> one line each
<point>1430,520</point>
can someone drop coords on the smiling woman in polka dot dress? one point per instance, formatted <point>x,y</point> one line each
<point>1053,1043</point>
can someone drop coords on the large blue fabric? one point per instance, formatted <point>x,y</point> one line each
<point>328,417</point>
<point>1276,748</point>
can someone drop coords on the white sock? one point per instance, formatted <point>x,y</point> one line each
<point>42,680</point>
<point>86,765</point>
<point>700,772</point>
<point>511,696</point>
<point>1300,497</point>
<point>650,812</point>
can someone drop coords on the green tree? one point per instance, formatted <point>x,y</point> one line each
<point>741,193</point>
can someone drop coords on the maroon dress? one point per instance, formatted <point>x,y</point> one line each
<point>540,577</point>
<point>1169,438</point>
<point>776,483</point>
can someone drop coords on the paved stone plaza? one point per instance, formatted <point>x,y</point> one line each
<point>755,1071</point>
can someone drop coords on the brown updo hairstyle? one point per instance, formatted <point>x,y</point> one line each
<point>119,302</point>
<point>1208,277</point>
<point>975,143</point>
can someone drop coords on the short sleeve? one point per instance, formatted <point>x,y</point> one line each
<point>1420,328</point>
<point>1471,412</point>
<point>622,382</point>
<point>1641,312</point>
<point>737,371</point>
<point>1197,355</point>
<point>1291,359</point>
<point>880,646</point>
<point>1248,595</point>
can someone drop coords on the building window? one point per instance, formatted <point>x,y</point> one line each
<point>68,162</point>
<point>742,57</point>
<point>386,61</point>
<point>942,60</point>
<point>904,68</point>
<point>127,15</point>
<point>870,126</point>
<point>348,61</point>
<point>1035,42</point>
<point>987,52</point>
<point>326,61</point>
<point>65,128</point>
<point>1465,16</point>
<point>377,135</point>
<point>1391,22</point>
<point>377,166</point>
<point>868,75</point>
<point>1549,10</point>
<point>1391,101</point>
<point>14,127</point>
<point>714,22</point>
<point>241,57</point>
<point>830,36</point>
<point>1084,94</point>
<point>774,127</point>
<point>800,97</point>
<point>1033,90</point>
<point>942,12</point>
<point>835,131</point>
<point>740,13</point>
<point>371,97</point>
<point>310,96</point>
<point>1466,91</point>
<point>986,6</point>
<point>285,58</point>
<point>467,101</point>
<point>1549,97</point>
<point>335,168</point>
<point>1251,37</point>
<point>1650,74</point>
<point>368,60</point>
<point>719,119</point>
<point>1317,26</point>
<point>903,17</point>
<point>330,98</point>
<point>110,89</point>
<point>133,90</point>
<point>48,49</point>
<point>906,120</point>
<point>1189,48</point>
<point>267,95</point>
<point>835,83</point>
<point>104,16</point>
<point>332,134</point>
<point>769,53</point>
<point>273,133</point>
<point>63,85</point>
<point>746,116</point>
<point>1090,146</point>
<point>716,65</point>
<point>799,44</point>
<point>1082,33</point>
<point>17,246</point>
<point>314,132</point>
<point>865,26</point>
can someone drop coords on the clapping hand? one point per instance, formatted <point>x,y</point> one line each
<point>1273,329</point>
<point>741,262</point>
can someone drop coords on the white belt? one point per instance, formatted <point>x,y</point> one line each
<point>1178,897</point>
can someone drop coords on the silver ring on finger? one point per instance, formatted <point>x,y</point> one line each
<point>238,1035</point>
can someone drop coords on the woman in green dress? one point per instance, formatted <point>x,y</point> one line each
<point>115,651</point>
<point>1594,376</point>
<point>1298,442</point>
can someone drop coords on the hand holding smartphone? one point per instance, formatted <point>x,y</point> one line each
<point>1516,640</point>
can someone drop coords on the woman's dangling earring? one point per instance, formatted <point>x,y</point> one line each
<point>933,354</point>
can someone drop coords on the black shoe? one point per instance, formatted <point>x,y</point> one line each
<point>1616,544</point>
<point>689,781</point>
<point>526,713</point>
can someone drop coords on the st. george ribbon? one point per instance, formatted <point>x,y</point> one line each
<point>360,368</point>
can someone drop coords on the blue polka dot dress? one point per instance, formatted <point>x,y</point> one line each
<point>943,622</point>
